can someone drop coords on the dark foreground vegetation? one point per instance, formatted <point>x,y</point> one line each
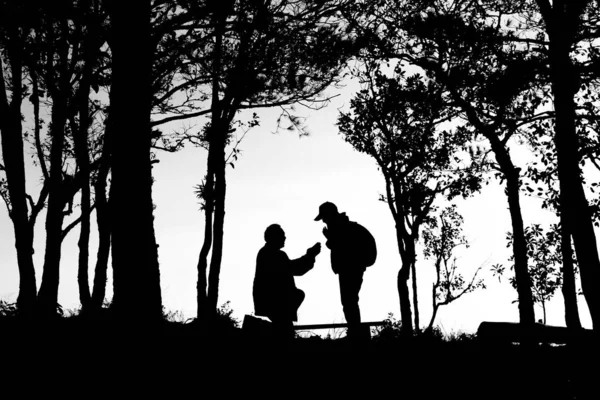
<point>429,365</point>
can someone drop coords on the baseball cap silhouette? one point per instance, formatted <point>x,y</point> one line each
<point>327,208</point>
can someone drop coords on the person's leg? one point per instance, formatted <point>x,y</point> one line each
<point>350,284</point>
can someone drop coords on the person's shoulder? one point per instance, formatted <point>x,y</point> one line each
<point>263,253</point>
<point>262,250</point>
<point>355,225</point>
<point>271,252</point>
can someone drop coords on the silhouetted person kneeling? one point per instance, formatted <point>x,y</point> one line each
<point>275,293</point>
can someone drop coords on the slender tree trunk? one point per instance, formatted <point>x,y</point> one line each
<point>568,288</point>
<point>214,190</point>
<point>511,173</point>
<point>208,196</point>
<point>404,296</point>
<point>136,279</point>
<point>48,294</point>
<point>103,222</point>
<point>544,311</point>
<point>433,315</point>
<point>407,255</point>
<point>219,203</point>
<point>83,163</point>
<point>92,43</point>
<point>573,203</point>
<point>84,240</point>
<point>415,295</point>
<point>14,163</point>
<point>526,312</point>
<point>433,294</point>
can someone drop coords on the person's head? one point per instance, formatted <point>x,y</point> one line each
<point>275,236</point>
<point>327,212</point>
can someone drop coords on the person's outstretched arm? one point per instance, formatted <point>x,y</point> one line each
<point>302,265</point>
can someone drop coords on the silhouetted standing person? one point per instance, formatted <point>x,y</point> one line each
<point>353,249</point>
<point>275,293</point>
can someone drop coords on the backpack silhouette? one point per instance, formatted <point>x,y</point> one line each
<point>368,247</point>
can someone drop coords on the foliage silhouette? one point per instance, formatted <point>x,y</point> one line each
<point>399,121</point>
<point>440,242</point>
<point>497,86</point>
<point>544,254</point>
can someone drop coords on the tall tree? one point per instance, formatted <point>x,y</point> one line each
<point>493,85</point>
<point>16,23</point>
<point>398,121</point>
<point>103,223</point>
<point>565,26</point>
<point>55,34</point>
<point>542,175</point>
<point>63,68</point>
<point>136,275</point>
<point>81,114</point>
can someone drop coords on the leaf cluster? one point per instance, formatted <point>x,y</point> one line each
<point>403,122</point>
<point>544,258</point>
<point>440,242</point>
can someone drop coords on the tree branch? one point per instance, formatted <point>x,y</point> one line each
<point>30,199</point>
<point>179,117</point>
<point>40,203</point>
<point>37,125</point>
<point>73,224</point>
<point>175,89</point>
<point>469,286</point>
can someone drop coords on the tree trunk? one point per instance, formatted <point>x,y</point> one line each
<point>214,187</point>
<point>568,288</point>
<point>404,296</point>
<point>407,254</point>
<point>84,240</point>
<point>573,203</point>
<point>544,310</point>
<point>415,295</point>
<point>434,302</point>
<point>433,315</point>
<point>11,131</point>
<point>90,53</point>
<point>219,203</point>
<point>208,195</point>
<point>511,173</point>
<point>48,294</point>
<point>83,163</point>
<point>103,222</point>
<point>136,279</point>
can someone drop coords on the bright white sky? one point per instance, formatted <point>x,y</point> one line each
<point>282,178</point>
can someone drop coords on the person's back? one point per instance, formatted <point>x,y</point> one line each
<point>352,245</point>
<point>272,282</point>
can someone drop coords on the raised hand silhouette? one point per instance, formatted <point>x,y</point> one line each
<point>315,250</point>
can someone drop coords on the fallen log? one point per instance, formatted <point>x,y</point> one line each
<point>536,333</point>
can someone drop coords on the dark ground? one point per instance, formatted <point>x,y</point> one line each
<point>173,357</point>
